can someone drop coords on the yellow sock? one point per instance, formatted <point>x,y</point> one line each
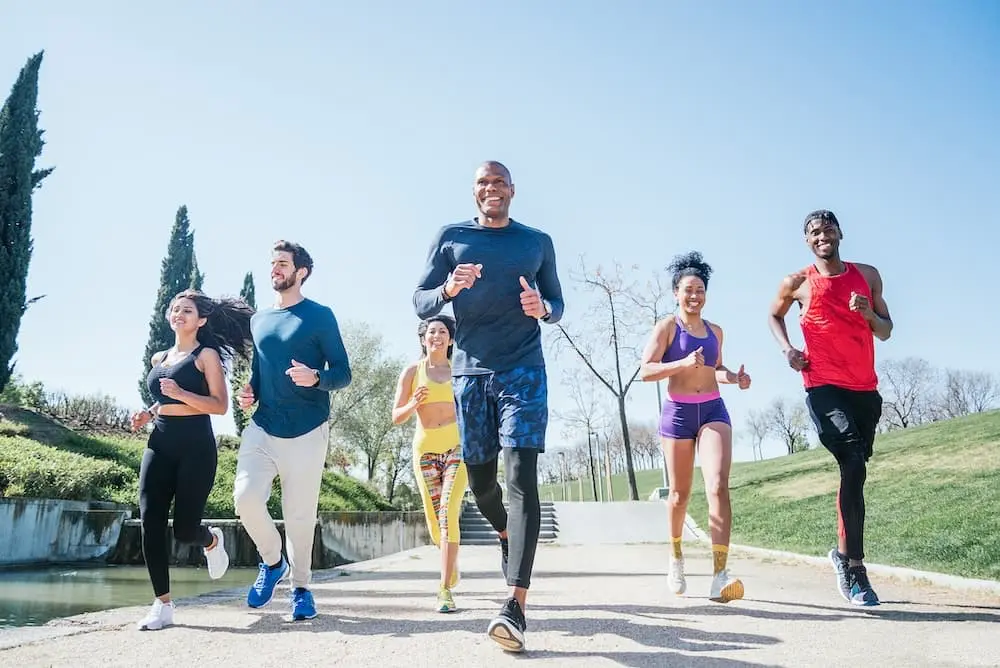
<point>676,544</point>
<point>719,555</point>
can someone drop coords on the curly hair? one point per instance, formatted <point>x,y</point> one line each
<point>689,264</point>
<point>227,324</point>
<point>445,320</point>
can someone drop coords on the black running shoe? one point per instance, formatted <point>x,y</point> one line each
<point>503,557</point>
<point>507,629</point>
<point>862,592</point>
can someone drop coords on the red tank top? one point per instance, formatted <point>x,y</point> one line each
<point>839,343</point>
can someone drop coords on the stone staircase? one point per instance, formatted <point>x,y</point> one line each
<point>476,530</point>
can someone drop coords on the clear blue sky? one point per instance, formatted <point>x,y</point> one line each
<point>634,131</point>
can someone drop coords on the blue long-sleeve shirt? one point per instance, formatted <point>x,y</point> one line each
<point>308,333</point>
<point>492,332</point>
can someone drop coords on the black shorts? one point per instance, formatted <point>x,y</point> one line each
<point>845,419</point>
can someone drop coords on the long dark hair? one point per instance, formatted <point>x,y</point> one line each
<point>227,324</point>
<point>449,324</point>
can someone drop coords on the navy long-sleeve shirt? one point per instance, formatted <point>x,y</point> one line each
<point>308,333</point>
<point>493,333</point>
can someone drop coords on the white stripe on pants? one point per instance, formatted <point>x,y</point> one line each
<point>298,462</point>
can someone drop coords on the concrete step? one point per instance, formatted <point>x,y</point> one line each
<point>542,538</point>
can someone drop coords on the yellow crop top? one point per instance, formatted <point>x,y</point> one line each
<point>437,392</point>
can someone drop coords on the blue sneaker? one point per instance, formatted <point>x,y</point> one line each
<point>303,606</point>
<point>262,590</point>
<point>862,592</point>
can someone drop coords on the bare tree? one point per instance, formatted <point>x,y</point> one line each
<point>646,442</point>
<point>586,413</point>
<point>399,458</point>
<point>759,427</point>
<point>600,340</point>
<point>788,422</point>
<point>907,388</point>
<point>968,392</point>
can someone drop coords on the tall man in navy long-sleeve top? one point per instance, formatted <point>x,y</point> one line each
<point>298,359</point>
<point>500,277</point>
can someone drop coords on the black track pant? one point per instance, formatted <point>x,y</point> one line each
<point>846,421</point>
<point>179,466</point>
<point>522,525</point>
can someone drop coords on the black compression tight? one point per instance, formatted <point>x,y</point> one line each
<point>178,465</point>
<point>525,518</point>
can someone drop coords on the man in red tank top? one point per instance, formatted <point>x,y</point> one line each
<point>841,309</point>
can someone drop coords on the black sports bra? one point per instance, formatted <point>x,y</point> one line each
<point>185,373</point>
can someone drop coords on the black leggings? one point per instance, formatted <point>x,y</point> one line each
<point>178,465</point>
<point>846,421</point>
<point>521,467</point>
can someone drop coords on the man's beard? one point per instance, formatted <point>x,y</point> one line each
<point>282,285</point>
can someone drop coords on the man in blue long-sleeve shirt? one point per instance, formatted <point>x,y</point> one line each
<point>500,278</point>
<point>299,357</point>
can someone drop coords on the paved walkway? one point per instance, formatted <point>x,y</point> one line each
<point>598,605</point>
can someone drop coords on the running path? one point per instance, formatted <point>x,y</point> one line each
<point>590,606</point>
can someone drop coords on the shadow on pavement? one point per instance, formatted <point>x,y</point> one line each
<point>667,639</point>
<point>964,613</point>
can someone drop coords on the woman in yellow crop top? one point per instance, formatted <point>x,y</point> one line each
<point>424,388</point>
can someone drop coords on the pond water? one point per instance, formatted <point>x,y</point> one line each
<point>36,596</point>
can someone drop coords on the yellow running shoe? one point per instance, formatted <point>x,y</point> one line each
<point>445,602</point>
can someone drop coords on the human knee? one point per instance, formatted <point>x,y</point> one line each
<point>245,500</point>
<point>482,481</point>
<point>717,488</point>
<point>679,496</point>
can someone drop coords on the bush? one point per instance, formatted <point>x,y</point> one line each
<point>30,469</point>
<point>227,442</point>
<point>67,464</point>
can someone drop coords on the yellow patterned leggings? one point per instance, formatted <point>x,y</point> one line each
<point>442,479</point>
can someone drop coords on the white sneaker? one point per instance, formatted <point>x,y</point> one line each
<point>217,557</point>
<point>725,588</point>
<point>675,577</point>
<point>159,616</point>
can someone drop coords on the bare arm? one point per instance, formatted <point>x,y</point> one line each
<point>404,404</point>
<point>787,295</point>
<point>878,316</point>
<point>217,401</point>
<point>651,369</point>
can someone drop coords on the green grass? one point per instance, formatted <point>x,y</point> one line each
<point>40,458</point>
<point>931,499</point>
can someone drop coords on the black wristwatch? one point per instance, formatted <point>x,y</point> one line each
<point>444,293</point>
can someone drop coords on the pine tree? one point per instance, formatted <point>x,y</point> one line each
<point>20,143</point>
<point>179,271</point>
<point>241,370</point>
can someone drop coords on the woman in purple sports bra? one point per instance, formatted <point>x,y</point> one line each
<point>686,350</point>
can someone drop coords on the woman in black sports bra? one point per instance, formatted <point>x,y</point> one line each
<point>189,384</point>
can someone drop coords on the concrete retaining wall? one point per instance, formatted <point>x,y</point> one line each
<point>41,531</point>
<point>340,538</point>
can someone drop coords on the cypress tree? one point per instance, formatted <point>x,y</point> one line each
<point>20,143</point>
<point>179,271</point>
<point>241,370</point>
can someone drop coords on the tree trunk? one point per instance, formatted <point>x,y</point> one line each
<point>633,491</point>
<point>593,471</point>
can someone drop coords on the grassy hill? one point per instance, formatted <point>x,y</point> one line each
<point>41,458</point>
<point>932,499</point>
